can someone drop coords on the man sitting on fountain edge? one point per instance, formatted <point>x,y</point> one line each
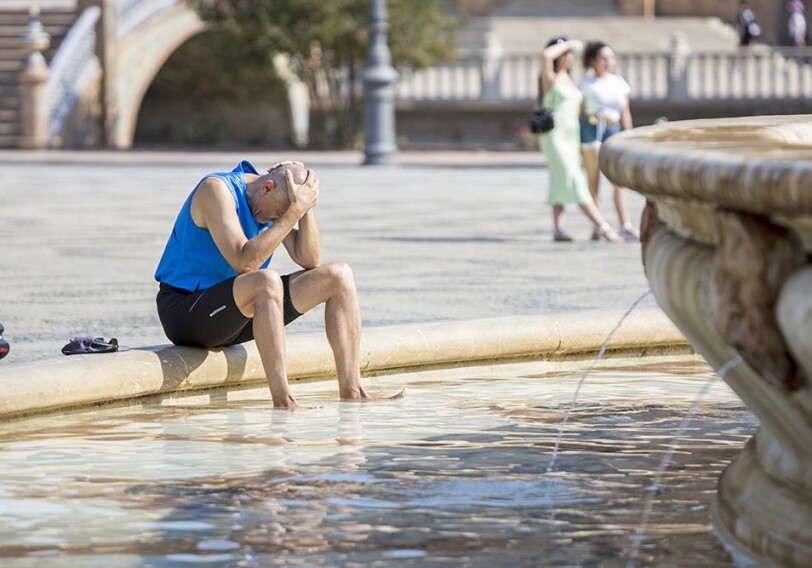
<point>215,285</point>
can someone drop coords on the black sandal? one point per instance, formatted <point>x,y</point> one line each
<point>83,345</point>
<point>562,237</point>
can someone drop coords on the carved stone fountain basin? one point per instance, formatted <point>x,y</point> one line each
<point>727,234</point>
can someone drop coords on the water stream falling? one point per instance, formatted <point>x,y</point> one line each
<point>638,537</point>
<point>602,351</point>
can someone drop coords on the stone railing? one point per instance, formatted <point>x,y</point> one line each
<point>726,240</point>
<point>129,14</point>
<point>677,75</point>
<point>72,68</point>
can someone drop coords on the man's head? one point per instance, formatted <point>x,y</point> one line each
<point>273,197</point>
<point>277,174</point>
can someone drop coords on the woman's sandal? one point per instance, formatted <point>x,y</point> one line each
<point>561,236</point>
<point>606,233</point>
<point>627,233</point>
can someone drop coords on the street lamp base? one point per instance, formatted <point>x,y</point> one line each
<point>387,159</point>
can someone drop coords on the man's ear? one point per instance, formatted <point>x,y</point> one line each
<point>269,186</point>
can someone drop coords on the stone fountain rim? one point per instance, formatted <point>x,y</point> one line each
<point>81,382</point>
<point>723,167</point>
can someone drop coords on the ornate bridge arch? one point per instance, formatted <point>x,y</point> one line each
<point>147,33</point>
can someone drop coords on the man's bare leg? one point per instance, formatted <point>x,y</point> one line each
<point>260,295</point>
<point>334,286</point>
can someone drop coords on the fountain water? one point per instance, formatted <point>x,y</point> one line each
<point>669,455</point>
<point>598,357</point>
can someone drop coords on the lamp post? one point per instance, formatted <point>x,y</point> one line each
<point>379,93</point>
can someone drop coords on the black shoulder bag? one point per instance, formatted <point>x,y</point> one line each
<point>541,120</point>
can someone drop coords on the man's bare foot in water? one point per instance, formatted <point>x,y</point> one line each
<point>286,402</point>
<point>360,395</point>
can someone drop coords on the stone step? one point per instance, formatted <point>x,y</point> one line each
<point>49,17</point>
<point>9,89</point>
<point>528,35</point>
<point>9,115</point>
<point>49,5</point>
<point>17,53</point>
<point>11,42</point>
<point>10,128</point>
<point>7,31</point>
<point>7,79</point>
<point>13,104</point>
<point>556,9</point>
<point>9,140</point>
<point>13,25</point>
<point>11,65</point>
<point>17,40</point>
<point>11,101</point>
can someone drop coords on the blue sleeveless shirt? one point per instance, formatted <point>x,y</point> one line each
<point>191,260</point>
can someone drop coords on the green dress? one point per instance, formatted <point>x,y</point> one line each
<point>562,145</point>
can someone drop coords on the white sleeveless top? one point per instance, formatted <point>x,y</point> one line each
<point>606,96</point>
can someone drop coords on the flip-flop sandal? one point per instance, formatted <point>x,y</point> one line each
<point>82,345</point>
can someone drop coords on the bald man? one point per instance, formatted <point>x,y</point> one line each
<point>215,285</point>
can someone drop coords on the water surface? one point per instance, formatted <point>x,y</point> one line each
<point>454,474</point>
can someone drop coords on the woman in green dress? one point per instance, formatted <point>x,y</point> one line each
<point>562,144</point>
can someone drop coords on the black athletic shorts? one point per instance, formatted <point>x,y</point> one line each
<point>210,317</point>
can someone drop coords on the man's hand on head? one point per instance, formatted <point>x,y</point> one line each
<point>303,197</point>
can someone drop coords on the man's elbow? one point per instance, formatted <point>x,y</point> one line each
<point>311,263</point>
<point>247,267</point>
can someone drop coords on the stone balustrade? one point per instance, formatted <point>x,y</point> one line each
<point>727,234</point>
<point>669,76</point>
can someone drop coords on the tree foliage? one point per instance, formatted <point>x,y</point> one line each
<point>327,42</point>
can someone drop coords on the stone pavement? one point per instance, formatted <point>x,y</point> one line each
<point>439,237</point>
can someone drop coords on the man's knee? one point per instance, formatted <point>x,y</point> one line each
<point>268,285</point>
<point>341,274</point>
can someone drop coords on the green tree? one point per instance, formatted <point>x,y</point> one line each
<point>326,42</point>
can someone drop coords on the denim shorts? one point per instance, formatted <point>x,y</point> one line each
<point>597,133</point>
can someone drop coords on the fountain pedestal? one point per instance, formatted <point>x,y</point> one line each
<point>727,234</point>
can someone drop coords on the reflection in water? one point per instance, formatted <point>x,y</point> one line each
<point>456,473</point>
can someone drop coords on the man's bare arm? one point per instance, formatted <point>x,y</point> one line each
<point>213,209</point>
<point>304,245</point>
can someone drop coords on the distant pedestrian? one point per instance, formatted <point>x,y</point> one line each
<point>605,113</point>
<point>568,186</point>
<point>797,23</point>
<point>747,26</point>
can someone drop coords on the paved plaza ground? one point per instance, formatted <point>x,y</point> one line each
<point>438,237</point>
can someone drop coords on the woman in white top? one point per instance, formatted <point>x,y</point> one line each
<point>605,113</point>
